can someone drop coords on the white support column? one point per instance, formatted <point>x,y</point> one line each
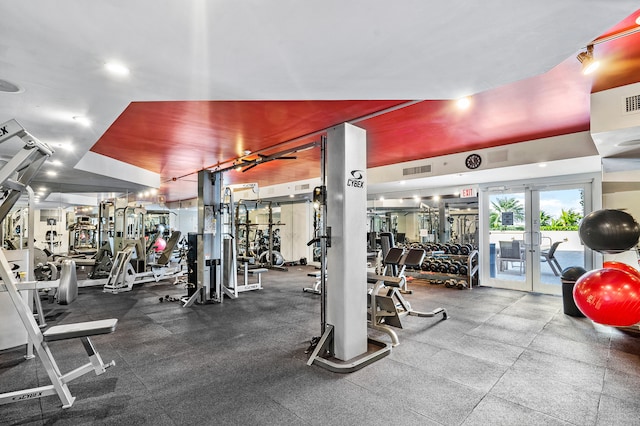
<point>347,257</point>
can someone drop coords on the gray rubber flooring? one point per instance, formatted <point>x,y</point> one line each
<point>503,358</point>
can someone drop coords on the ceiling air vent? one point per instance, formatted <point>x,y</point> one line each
<point>302,187</point>
<point>499,156</point>
<point>631,104</point>
<point>416,170</point>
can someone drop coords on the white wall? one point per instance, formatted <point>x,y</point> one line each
<point>630,202</point>
<point>297,230</point>
<point>12,330</point>
<point>185,220</point>
<point>41,228</point>
<point>611,125</point>
<point>412,230</point>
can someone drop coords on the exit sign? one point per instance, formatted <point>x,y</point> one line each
<point>468,192</point>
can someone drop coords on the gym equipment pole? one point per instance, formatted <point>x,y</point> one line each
<point>346,215</point>
<point>215,266</point>
<point>344,346</point>
<point>323,232</point>
<point>209,197</point>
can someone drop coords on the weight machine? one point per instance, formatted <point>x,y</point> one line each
<point>212,250</point>
<point>15,177</point>
<point>260,241</point>
<point>106,225</point>
<point>82,234</point>
<point>315,242</point>
<point>124,275</point>
<point>465,228</point>
<point>344,345</point>
<point>129,227</point>
<point>429,224</point>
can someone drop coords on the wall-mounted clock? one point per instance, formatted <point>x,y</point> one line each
<point>473,161</point>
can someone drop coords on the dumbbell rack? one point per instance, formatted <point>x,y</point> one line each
<point>472,265</point>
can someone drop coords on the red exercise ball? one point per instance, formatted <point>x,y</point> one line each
<point>609,296</point>
<point>612,264</point>
<point>160,245</point>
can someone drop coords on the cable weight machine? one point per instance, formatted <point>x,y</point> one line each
<point>260,241</point>
<point>343,346</point>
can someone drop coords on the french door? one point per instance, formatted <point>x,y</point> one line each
<point>531,234</point>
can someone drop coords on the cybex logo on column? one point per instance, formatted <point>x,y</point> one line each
<point>357,180</point>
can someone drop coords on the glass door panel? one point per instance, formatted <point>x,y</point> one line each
<point>508,227</point>
<point>531,235</point>
<point>560,212</point>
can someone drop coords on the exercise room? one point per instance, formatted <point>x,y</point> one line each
<point>217,212</point>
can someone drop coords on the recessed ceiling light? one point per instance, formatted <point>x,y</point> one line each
<point>51,173</point>
<point>638,20</point>
<point>116,68</point>
<point>56,163</point>
<point>65,146</point>
<point>82,120</point>
<point>463,103</point>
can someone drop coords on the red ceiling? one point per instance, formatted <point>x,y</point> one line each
<point>620,58</point>
<point>552,104</point>
<point>177,139</point>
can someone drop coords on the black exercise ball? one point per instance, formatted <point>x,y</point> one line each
<point>572,273</point>
<point>609,231</point>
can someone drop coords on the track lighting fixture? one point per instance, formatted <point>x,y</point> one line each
<point>589,64</point>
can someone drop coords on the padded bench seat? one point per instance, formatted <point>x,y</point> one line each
<point>80,329</point>
<point>247,259</point>
<point>389,281</point>
<point>257,270</point>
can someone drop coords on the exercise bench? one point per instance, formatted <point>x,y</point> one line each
<point>316,286</point>
<point>396,262</point>
<point>387,309</point>
<point>232,289</point>
<point>40,339</point>
<point>258,272</point>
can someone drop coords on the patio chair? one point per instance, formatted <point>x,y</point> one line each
<point>549,256</point>
<point>511,252</point>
